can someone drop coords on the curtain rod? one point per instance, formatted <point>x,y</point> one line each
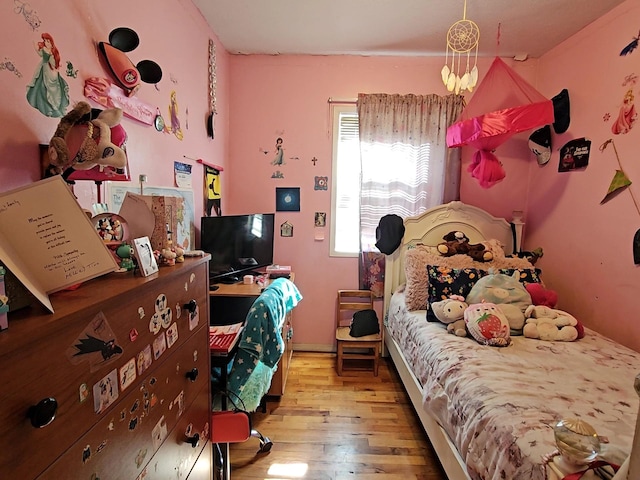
<point>346,102</point>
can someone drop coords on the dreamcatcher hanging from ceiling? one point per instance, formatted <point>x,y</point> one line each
<point>462,42</point>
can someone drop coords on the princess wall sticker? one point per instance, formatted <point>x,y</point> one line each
<point>627,115</point>
<point>48,91</point>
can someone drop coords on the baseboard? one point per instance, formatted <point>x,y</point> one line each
<point>313,347</point>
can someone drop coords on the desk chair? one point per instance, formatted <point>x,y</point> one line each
<point>232,426</point>
<point>365,348</point>
<point>229,426</point>
<point>252,363</point>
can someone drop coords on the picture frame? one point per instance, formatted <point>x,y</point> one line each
<point>287,199</point>
<point>144,254</point>
<point>286,229</point>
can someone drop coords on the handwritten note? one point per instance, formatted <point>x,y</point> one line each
<point>47,241</point>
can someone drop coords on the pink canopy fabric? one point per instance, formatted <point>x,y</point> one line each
<point>504,104</point>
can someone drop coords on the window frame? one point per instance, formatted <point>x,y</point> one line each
<point>336,111</point>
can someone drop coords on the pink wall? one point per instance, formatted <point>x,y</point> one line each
<point>175,36</point>
<point>286,96</point>
<point>587,246</point>
<point>263,97</point>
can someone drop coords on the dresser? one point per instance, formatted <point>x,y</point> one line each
<point>114,385</point>
<point>230,303</point>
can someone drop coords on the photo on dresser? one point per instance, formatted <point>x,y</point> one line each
<point>144,253</point>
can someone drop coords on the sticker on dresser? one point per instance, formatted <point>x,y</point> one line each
<point>96,344</point>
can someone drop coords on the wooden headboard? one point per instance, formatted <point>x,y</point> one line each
<point>432,225</point>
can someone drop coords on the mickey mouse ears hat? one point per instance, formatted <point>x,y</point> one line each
<point>561,111</point>
<point>540,144</point>
<point>389,233</point>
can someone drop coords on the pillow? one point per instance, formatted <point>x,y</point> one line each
<point>527,275</point>
<point>445,281</point>
<point>415,273</point>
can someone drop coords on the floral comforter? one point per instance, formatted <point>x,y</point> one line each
<point>499,405</point>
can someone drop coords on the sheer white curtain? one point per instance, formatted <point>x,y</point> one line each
<point>406,165</point>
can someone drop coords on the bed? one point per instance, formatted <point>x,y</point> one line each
<point>489,412</point>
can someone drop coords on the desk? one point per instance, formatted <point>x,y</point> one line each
<point>239,296</point>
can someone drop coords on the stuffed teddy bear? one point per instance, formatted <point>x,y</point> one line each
<point>168,256</point>
<point>458,243</point>
<point>487,324</point>
<point>549,324</point>
<point>451,312</point>
<point>507,293</point>
<point>179,254</point>
<point>81,143</point>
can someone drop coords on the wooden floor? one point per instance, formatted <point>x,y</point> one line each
<point>332,428</point>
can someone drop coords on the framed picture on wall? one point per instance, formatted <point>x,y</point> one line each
<point>287,199</point>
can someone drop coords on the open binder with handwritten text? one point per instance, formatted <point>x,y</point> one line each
<point>47,241</point>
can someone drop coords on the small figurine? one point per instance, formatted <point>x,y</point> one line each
<point>125,253</point>
<point>179,253</point>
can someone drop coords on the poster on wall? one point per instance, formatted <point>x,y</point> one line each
<point>287,199</point>
<point>372,266</point>
<point>574,155</point>
<point>213,196</point>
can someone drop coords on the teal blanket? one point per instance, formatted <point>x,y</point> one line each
<point>261,345</point>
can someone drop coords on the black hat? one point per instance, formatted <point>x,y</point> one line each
<point>540,144</point>
<point>561,111</point>
<point>389,233</point>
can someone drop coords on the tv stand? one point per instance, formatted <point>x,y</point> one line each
<point>230,280</point>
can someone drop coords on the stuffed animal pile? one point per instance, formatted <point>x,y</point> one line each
<point>458,243</point>
<point>507,293</point>
<point>499,306</point>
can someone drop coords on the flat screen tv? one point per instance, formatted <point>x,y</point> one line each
<point>237,244</point>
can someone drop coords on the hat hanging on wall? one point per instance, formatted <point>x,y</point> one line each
<point>127,75</point>
<point>540,144</point>
<point>389,233</point>
<point>561,111</point>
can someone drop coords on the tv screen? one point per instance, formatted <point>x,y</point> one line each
<point>237,243</point>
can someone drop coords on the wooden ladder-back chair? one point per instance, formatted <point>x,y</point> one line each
<point>366,348</point>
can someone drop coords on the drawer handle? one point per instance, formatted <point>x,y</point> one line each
<point>194,440</point>
<point>192,374</point>
<point>191,306</point>
<point>43,413</point>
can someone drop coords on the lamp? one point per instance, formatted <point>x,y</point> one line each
<point>462,38</point>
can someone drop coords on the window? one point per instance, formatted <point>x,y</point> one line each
<point>345,199</point>
<point>389,157</point>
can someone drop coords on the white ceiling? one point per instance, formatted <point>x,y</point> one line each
<point>394,27</point>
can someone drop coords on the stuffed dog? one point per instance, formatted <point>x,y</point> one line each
<point>81,143</point>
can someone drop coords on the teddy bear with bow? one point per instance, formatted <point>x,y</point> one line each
<point>458,243</point>
<point>81,143</point>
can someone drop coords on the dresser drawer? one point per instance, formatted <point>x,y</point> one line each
<point>177,459</point>
<point>158,415</point>
<point>42,356</point>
